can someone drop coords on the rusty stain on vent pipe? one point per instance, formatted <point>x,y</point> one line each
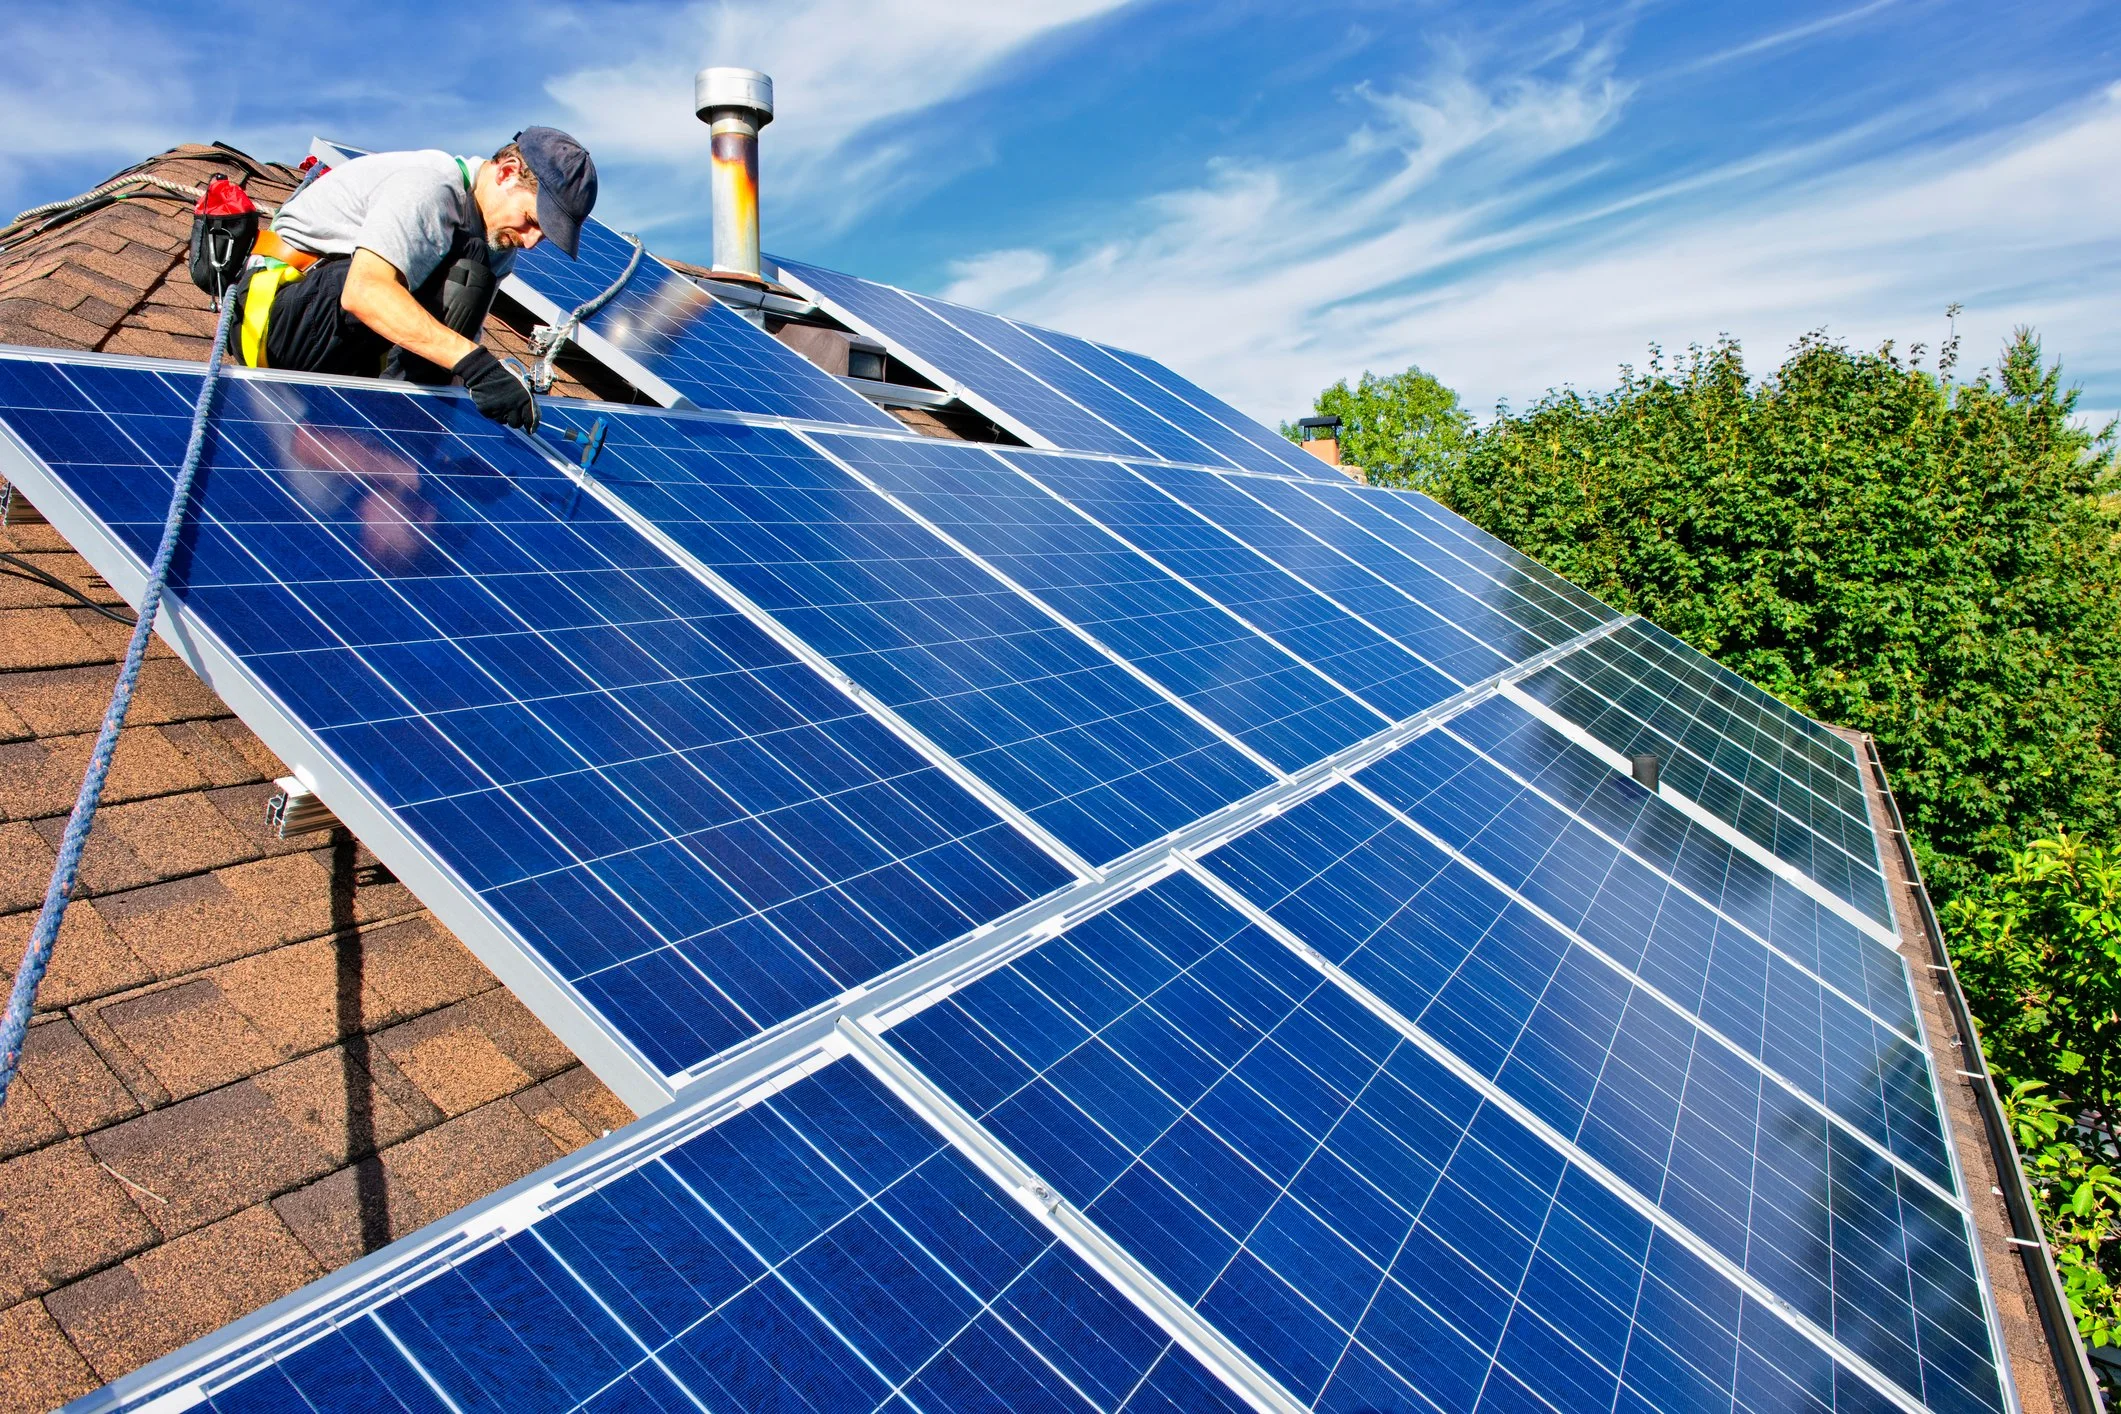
<point>735,104</point>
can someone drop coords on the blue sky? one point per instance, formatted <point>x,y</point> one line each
<point>1268,196</point>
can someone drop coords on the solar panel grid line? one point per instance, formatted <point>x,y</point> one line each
<point>1291,457</point>
<point>1272,702</point>
<point>818,662</point>
<point>1709,820</point>
<point>1664,999</point>
<point>1836,750</point>
<point>1160,437</point>
<point>1108,1258</point>
<point>1626,1192</point>
<point>1410,506</point>
<point>1195,589</point>
<point>1366,663</point>
<point>1314,516</point>
<point>1063,620</point>
<point>1864,1068</point>
<point>923,981</point>
<point>1230,446</point>
<point>1310,582</point>
<point>1568,612</point>
<point>638,1080</point>
<point>1835,793</point>
<point>1047,417</point>
<point>1673,879</point>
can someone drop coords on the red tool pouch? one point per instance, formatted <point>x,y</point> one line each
<point>224,227</point>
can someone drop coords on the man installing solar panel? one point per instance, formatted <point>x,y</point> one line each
<point>387,264</point>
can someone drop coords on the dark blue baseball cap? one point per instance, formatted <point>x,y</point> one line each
<point>567,183</point>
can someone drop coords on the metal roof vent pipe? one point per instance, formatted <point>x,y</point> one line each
<point>735,104</point>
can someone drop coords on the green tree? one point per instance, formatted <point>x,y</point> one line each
<point>2039,949</point>
<point>1401,430</point>
<point>1881,548</point>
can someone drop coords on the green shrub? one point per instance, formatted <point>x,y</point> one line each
<point>1881,548</point>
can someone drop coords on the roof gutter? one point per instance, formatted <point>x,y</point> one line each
<point>2072,1364</point>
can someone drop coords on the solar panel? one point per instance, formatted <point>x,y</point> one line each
<point>663,328</point>
<point>1373,667</point>
<point>1769,903</point>
<point>1042,386</point>
<point>1234,441</point>
<point>1158,436</point>
<point>1089,752</point>
<point>820,1248</point>
<point>1865,1067</point>
<point>1120,935</point>
<point>1280,707</point>
<point>1373,1224</point>
<point>1717,1141</point>
<point>1279,450</point>
<point>603,767</point>
<point>983,378</point>
<point>1789,793</point>
<point>1389,594</point>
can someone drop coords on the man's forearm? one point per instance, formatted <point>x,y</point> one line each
<point>375,294</point>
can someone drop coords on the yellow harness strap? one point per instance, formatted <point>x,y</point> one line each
<point>265,283</point>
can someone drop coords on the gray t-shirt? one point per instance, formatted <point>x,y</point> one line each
<point>407,207</point>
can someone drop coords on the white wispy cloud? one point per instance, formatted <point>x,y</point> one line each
<point>847,74</point>
<point>1267,281</point>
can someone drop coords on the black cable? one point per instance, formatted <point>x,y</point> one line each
<point>20,568</point>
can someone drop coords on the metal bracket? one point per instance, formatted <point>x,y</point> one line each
<point>295,810</point>
<point>16,510</point>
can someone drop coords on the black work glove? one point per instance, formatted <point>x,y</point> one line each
<point>498,393</point>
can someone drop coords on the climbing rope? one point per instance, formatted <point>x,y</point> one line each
<point>546,343</point>
<point>115,189</point>
<point>14,1026</point>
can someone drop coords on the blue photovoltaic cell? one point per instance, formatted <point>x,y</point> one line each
<point>1738,886</point>
<point>1236,446</point>
<point>1507,622</point>
<point>1782,1014</point>
<point>1535,600</point>
<point>1787,795</point>
<point>681,334</point>
<point>1831,1226</point>
<point>1348,1212</point>
<point>1316,629</point>
<point>821,1250</point>
<point>1059,729</point>
<point>1469,541</point>
<point>1098,397</point>
<point>1235,677</point>
<point>1806,751</point>
<point>1278,453</point>
<point>695,831</point>
<point>1426,630</point>
<point>892,316</point>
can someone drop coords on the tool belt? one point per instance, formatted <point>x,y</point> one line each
<point>283,266</point>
